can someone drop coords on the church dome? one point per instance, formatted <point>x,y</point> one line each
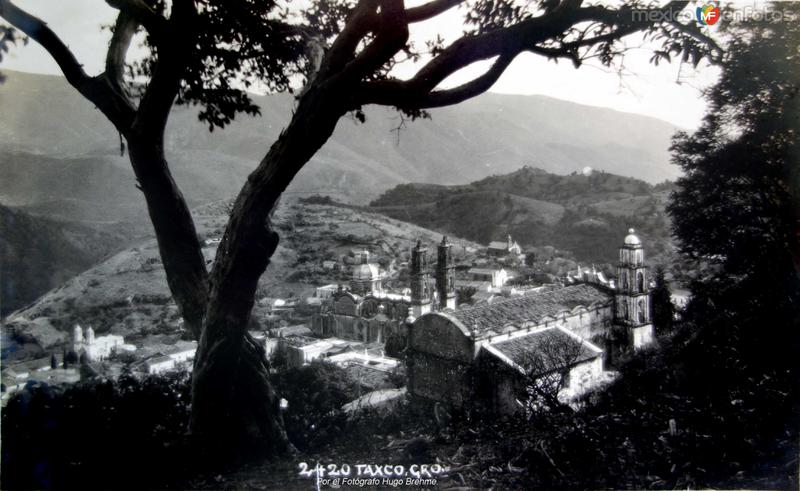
<point>365,272</point>
<point>631,238</point>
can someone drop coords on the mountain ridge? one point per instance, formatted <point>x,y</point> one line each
<point>494,133</point>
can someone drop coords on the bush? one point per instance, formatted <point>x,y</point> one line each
<point>316,393</point>
<point>97,434</point>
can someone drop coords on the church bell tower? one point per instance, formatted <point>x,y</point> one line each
<point>420,294</point>
<point>445,276</point>
<point>632,299</point>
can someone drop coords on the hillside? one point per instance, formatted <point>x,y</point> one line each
<point>585,214</point>
<point>127,293</point>
<point>59,153</point>
<point>61,160</point>
<point>37,254</point>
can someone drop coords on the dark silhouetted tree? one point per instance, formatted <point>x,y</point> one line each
<point>464,295</point>
<point>661,301</point>
<point>208,51</point>
<point>53,361</point>
<point>70,358</point>
<point>735,211</point>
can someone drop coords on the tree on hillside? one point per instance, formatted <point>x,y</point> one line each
<point>661,301</point>
<point>736,210</point>
<point>202,50</point>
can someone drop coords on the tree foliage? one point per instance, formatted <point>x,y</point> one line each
<point>736,209</point>
<point>661,300</point>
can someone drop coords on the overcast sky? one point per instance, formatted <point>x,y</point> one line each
<point>670,91</point>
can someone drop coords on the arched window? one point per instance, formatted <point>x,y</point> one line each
<point>640,281</point>
<point>624,309</point>
<point>625,280</point>
<point>642,311</point>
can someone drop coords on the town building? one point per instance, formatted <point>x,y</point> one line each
<point>496,277</point>
<point>178,357</point>
<point>448,350</point>
<point>96,348</point>
<point>367,277</point>
<point>502,249</point>
<point>326,291</point>
<point>588,275</point>
<point>369,314</point>
<point>16,376</point>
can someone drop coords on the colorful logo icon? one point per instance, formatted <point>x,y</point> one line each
<point>708,14</point>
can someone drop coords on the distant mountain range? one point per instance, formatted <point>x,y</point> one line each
<point>55,148</point>
<point>60,159</point>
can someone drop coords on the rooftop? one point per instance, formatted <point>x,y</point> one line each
<point>546,350</point>
<point>159,359</point>
<point>367,376</point>
<point>529,308</point>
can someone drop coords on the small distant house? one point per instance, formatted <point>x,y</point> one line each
<point>326,291</point>
<point>497,277</point>
<point>502,249</point>
<point>159,364</point>
<point>179,357</point>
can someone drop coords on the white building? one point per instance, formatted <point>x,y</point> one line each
<point>99,348</point>
<point>326,291</point>
<point>177,358</point>
<point>497,277</point>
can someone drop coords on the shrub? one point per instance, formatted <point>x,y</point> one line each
<point>316,393</point>
<point>103,434</point>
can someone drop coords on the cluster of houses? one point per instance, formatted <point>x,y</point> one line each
<point>588,318</point>
<point>85,347</point>
<point>448,352</point>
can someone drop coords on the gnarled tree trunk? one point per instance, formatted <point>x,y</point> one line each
<point>233,403</point>
<point>174,228</point>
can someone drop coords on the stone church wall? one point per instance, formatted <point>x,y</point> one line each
<point>439,360</point>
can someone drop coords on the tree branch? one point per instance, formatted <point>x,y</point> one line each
<point>116,108</point>
<point>362,20</point>
<point>506,43</point>
<point>392,36</point>
<point>395,93</point>
<point>124,29</point>
<point>430,9</point>
<point>154,109</point>
<point>151,20</point>
<point>42,34</point>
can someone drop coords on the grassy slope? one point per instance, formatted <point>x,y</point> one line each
<point>127,293</point>
<point>37,254</point>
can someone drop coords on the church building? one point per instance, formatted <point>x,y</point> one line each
<point>369,314</point>
<point>446,348</point>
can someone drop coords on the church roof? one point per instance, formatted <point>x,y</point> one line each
<point>632,239</point>
<point>549,349</point>
<point>366,271</point>
<point>498,245</point>
<point>529,308</point>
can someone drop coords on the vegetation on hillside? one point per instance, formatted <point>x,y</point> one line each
<point>37,254</point>
<point>585,214</point>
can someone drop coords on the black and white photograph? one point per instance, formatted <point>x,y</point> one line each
<point>399,244</point>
